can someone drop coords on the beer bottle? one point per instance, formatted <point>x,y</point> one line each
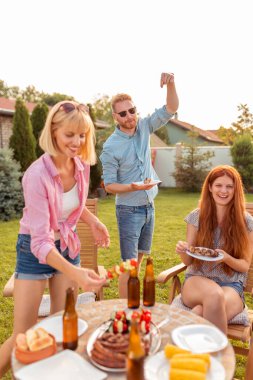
<point>149,284</point>
<point>70,322</point>
<point>135,354</point>
<point>133,290</point>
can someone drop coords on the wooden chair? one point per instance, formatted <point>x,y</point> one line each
<point>88,252</point>
<point>249,365</point>
<point>236,332</point>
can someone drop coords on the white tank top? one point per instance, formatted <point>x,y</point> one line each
<point>70,202</point>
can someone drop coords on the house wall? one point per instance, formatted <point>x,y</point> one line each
<point>164,163</point>
<point>177,134</point>
<point>5,130</point>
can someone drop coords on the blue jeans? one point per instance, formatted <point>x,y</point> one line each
<point>136,227</point>
<point>28,266</point>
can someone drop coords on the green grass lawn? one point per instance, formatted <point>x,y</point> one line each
<point>171,208</point>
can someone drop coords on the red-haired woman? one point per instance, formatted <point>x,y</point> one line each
<point>214,290</point>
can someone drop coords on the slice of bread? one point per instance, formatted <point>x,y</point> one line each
<point>21,342</point>
<point>40,343</point>
<point>31,336</point>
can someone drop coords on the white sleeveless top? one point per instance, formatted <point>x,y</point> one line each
<point>70,202</point>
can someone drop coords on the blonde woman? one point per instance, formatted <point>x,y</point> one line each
<point>214,290</point>
<point>55,190</point>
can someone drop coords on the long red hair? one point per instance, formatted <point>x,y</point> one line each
<point>234,232</point>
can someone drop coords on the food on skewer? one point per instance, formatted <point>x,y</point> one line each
<point>121,321</point>
<point>123,267</point>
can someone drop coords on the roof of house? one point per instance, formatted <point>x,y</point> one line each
<point>7,107</point>
<point>207,135</point>
<point>156,142</point>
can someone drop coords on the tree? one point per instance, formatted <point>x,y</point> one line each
<point>3,89</point>
<point>38,119</point>
<point>30,94</point>
<point>243,125</point>
<point>192,166</point>
<point>11,197</point>
<point>14,92</point>
<point>227,135</point>
<point>54,98</point>
<point>163,134</point>
<point>242,156</point>
<point>95,170</point>
<point>22,140</point>
<point>102,109</point>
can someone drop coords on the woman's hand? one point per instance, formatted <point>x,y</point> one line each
<point>100,234</point>
<point>225,256</point>
<point>181,246</point>
<point>88,279</point>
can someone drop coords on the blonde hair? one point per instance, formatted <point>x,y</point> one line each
<point>234,232</point>
<point>78,117</point>
<point>119,98</point>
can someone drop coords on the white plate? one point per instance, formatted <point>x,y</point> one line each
<point>199,338</point>
<point>157,368</point>
<point>205,258</point>
<point>155,344</point>
<point>153,182</point>
<point>67,365</point>
<point>53,325</point>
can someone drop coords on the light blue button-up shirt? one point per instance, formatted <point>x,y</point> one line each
<point>126,159</point>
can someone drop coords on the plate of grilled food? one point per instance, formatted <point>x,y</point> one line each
<point>108,344</point>
<point>203,253</point>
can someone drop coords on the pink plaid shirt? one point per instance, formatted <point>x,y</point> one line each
<point>43,192</point>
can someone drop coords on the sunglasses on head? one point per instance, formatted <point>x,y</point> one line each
<point>69,107</point>
<point>132,111</point>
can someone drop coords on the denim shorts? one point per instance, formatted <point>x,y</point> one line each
<point>136,227</point>
<point>28,266</point>
<point>236,285</point>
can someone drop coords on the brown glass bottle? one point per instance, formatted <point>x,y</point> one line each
<point>70,322</point>
<point>133,290</point>
<point>149,284</point>
<point>135,354</point>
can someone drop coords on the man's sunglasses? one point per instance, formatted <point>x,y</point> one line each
<point>132,111</point>
<point>69,107</point>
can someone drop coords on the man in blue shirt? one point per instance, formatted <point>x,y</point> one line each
<point>126,160</point>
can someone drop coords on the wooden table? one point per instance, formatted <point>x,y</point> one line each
<point>97,312</point>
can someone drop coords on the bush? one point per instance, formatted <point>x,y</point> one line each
<point>22,140</point>
<point>11,196</point>
<point>242,156</point>
<point>38,119</point>
<point>96,171</point>
<point>192,166</point>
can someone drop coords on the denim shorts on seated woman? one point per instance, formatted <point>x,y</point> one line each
<point>136,226</point>
<point>28,266</point>
<point>236,285</point>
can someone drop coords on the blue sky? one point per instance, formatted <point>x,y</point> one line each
<point>89,47</point>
